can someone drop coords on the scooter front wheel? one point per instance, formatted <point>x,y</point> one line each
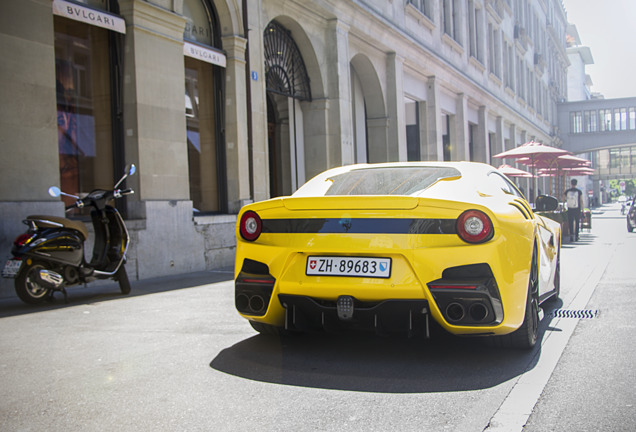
<point>28,284</point>
<point>122,277</point>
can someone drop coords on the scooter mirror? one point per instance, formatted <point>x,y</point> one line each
<point>130,170</point>
<point>55,191</point>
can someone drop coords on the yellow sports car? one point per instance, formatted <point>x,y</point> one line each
<point>390,246</point>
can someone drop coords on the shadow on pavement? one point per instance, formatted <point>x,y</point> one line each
<point>366,363</point>
<point>109,290</point>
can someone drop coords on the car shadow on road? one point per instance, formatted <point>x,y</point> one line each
<point>367,363</point>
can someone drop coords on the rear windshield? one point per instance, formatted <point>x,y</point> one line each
<point>388,180</point>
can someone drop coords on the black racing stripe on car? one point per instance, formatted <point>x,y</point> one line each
<point>521,209</point>
<point>524,204</point>
<point>359,226</point>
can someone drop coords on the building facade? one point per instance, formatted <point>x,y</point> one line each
<point>598,129</point>
<point>224,102</point>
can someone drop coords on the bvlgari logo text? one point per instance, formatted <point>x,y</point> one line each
<point>89,16</point>
<point>205,54</point>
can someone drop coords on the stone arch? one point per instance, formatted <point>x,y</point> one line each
<point>287,114</point>
<point>285,71</point>
<point>306,48</point>
<point>371,126</point>
<point>229,15</point>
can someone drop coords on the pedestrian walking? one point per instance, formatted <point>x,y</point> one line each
<point>574,201</point>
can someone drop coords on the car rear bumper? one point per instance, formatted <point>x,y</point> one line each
<point>304,313</point>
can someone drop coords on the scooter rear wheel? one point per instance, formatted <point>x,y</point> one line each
<point>122,277</point>
<point>28,285</point>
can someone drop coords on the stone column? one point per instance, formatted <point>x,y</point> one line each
<point>481,144</point>
<point>513,137</point>
<point>155,139</point>
<point>378,139</point>
<point>396,134</point>
<point>29,164</point>
<point>316,117</point>
<point>339,149</point>
<point>460,150</point>
<point>154,120</point>
<point>499,139</point>
<point>434,146</point>
<point>235,106</point>
<point>260,143</point>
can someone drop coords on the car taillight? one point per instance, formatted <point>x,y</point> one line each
<point>474,226</point>
<point>250,226</point>
<point>23,239</point>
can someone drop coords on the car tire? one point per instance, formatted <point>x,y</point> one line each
<point>630,228</point>
<point>28,287</point>
<point>525,337</point>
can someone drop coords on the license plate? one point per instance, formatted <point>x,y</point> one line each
<point>348,266</point>
<point>11,268</point>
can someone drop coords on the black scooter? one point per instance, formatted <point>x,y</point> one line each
<point>50,255</point>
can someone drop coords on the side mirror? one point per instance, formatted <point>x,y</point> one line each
<point>55,191</point>
<point>546,203</point>
<point>130,170</point>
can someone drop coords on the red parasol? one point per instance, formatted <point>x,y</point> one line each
<point>535,152</point>
<point>580,170</point>
<point>559,162</point>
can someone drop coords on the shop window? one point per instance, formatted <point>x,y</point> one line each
<point>203,69</point>
<point>84,124</point>
<point>202,145</point>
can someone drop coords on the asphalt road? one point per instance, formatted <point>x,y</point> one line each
<point>175,356</point>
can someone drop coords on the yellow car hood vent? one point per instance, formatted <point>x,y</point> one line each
<point>366,202</point>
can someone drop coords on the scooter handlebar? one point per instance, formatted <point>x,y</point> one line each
<point>120,193</point>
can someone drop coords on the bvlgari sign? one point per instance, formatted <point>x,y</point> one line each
<point>202,53</point>
<point>89,15</point>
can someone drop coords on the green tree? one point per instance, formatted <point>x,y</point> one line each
<point>615,187</point>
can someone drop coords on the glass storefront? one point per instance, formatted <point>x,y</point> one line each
<point>202,73</point>
<point>82,72</point>
<point>202,145</point>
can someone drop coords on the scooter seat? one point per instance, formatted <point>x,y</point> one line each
<point>55,221</point>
